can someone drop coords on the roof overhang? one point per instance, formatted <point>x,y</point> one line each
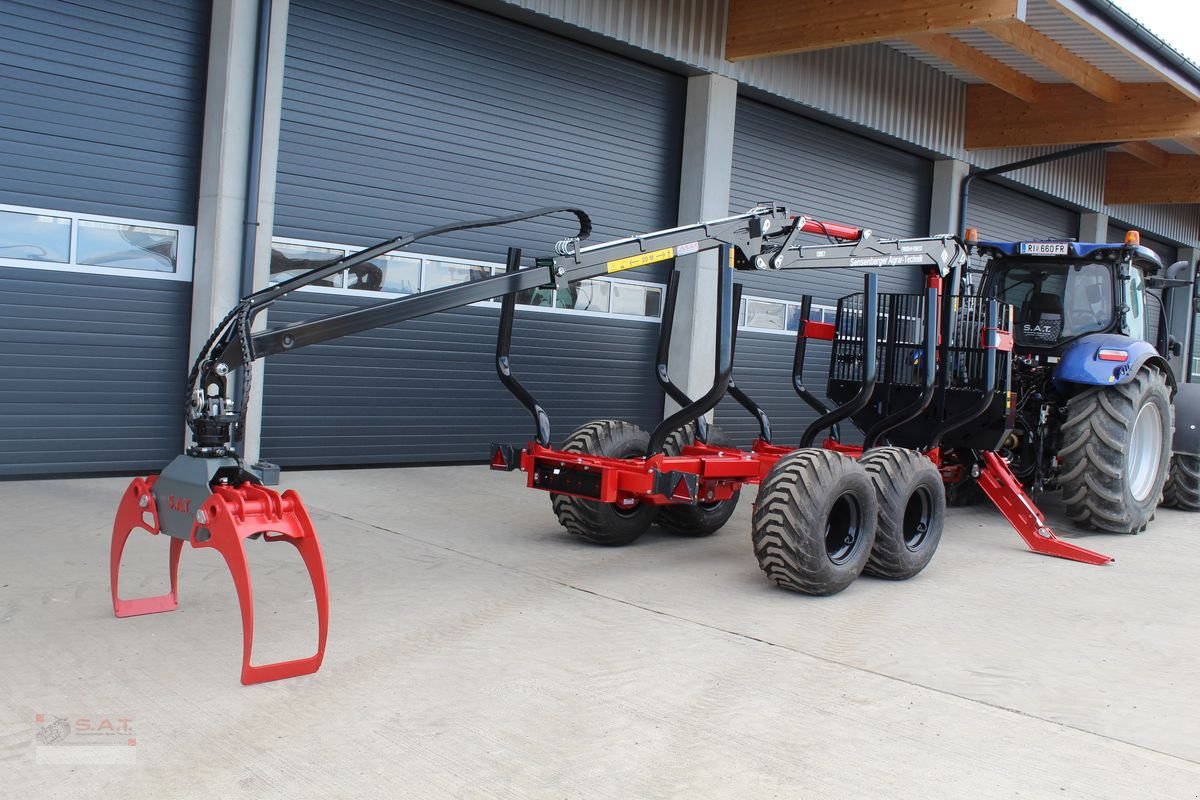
<point>1039,73</point>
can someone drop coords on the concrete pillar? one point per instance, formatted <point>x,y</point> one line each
<point>218,279</point>
<point>703,194</point>
<point>948,175</point>
<point>1093,227</point>
<point>261,268</point>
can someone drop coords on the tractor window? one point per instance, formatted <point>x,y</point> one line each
<point>1135,297</point>
<point>1053,302</point>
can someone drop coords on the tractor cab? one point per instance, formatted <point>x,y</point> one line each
<point>1063,290</point>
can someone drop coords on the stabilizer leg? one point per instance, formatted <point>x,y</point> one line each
<point>137,510</point>
<point>1003,488</point>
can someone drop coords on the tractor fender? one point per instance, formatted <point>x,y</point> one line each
<point>1081,364</point>
<point>1187,419</point>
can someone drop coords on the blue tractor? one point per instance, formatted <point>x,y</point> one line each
<point>1103,400</point>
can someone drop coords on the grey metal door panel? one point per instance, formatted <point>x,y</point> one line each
<point>1001,214</point>
<point>426,391</point>
<point>828,174</point>
<point>404,115</point>
<point>94,368</point>
<point>104,106</point>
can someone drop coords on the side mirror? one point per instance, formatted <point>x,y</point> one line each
<point>1174,346</point>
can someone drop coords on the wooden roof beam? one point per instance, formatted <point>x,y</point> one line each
<point>1049,53</point>
<point>1128,179</point>
<point>1191,143</point>
<point>1152,155</point>
<point>977,63</point>
<point>762,28</point>
<point>1064,114</point>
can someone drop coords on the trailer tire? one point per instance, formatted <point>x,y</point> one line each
<point>814,521</point>
<point>1116,447</point>
<point>701,519</point>
<point>604,523</point>
<point>912,511</point>
<point>1182,489</point>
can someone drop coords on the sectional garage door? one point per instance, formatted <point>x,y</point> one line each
<point>99,152</point>
<point>1001,214</point>
<point>828,174</point>
<point>404,115</point>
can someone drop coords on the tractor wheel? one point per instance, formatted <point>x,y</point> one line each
<point>912,511</point>
<point>814,521</point>
<point>605,523</point>
<point>1116,445</point>
<point>1182,489</point>
<point>702,519</point>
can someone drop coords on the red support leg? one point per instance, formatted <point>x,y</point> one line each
<point>137,510</point>
<point>999,484</point>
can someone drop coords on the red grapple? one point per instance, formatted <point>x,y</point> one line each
<point>228,517</point>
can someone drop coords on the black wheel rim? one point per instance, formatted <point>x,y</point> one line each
<point>628,506</point>
<point>918,515</point>
<point>843,528</point>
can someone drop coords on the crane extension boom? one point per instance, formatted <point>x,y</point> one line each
<point>763,238</point>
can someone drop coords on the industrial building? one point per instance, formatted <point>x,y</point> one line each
<point>159,158</point>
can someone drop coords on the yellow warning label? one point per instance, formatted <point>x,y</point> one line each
<point>641,259</point>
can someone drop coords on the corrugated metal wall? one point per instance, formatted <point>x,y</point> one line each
<point>829,174</point>
<point>874,86</point>
<point>103,108</point>
<point>1078,180</point>
<point>388,127</point>
<point>1180,223</point>
<point>870,85</point>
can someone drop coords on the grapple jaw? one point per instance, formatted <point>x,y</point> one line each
<point>210,502</point>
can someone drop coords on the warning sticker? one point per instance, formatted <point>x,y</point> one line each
<point>641,259</point>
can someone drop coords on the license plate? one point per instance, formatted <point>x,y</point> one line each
<point>1043,248</point>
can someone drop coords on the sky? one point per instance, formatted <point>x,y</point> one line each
<point>1177,22</point>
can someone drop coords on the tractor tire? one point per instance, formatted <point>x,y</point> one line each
<point>702,519</point>
<point>814,521</point>
<point>912,511</point>
<point>605,523</point>
<point>1182,489</point>
<point>1116,446</point>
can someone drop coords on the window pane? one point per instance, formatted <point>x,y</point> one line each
<point>387,273</point>
<point>448,273</point>
<point>591,295</point>
<point>35,237</point>
<point>290,260</point>
<point>114,244</point>
<point>793,317</point>
<point>636,300</point>
<point>541,297</point>
<point>765,315</point>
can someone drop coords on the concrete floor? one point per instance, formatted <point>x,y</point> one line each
<point>477,651</point>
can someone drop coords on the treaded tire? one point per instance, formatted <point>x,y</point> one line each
<point>809,502</point>
<point>604,523</point>
<point>702,519</point>
<point>1096,458</point>
<point>1182,489</point>
<point>912,511</point>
